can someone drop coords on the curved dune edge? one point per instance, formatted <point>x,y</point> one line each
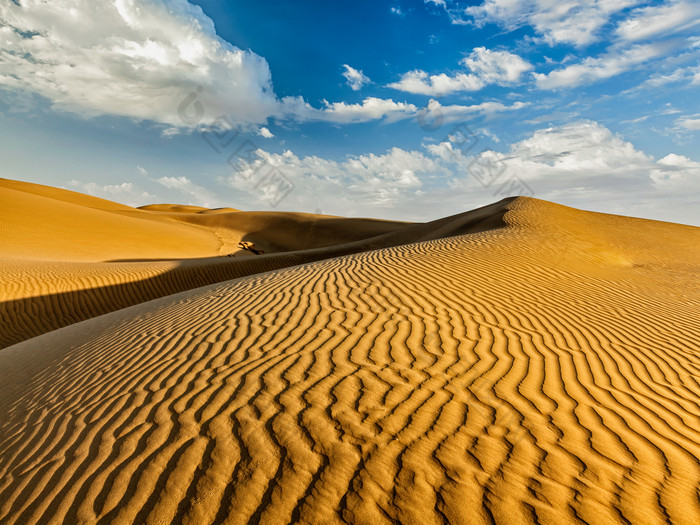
<point>507,376</point>
<point>37,297</point>
<point>41,223</point>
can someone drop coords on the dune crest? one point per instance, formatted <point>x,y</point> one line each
<point>522,363</point>
<point>69,257</point>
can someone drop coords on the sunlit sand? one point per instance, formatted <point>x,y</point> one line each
<point>525,362</point>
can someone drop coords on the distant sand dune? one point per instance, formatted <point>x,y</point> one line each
<point>49,224</point>
<point>544,368</point>
<point>52,224</point>
<point>68,257</point>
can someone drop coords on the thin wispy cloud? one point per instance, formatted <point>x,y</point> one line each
<point>593,69</point>
<point>652,21</point>
<point>355,78</point>
<point>558,22</point>
<point>126,192</point>
<point>690,123</point>
<point>195,193</point>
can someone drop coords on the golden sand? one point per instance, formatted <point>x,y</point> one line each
<point>522,363</point>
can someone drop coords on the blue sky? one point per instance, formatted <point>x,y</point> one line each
<point>408,110</point>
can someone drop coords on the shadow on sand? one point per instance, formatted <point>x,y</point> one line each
<point>29,317</point>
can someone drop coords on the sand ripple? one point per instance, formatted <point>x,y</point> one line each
<point>508,376</point>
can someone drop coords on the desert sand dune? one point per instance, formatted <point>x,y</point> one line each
<point>175,208</point>
<point>542,365</point>
<point>285,231</point>
<point>68,257</point>
<point>51,224</point>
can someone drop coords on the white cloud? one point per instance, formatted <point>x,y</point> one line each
<point>200,196</point>
<point>486,66</point>
<point>677,75</point>
<point>171,132</point>
<point>142,60</point>
<point>651,21</point>
<point>496,67</point>
<point>266,133</point>
<point>684,75</point>
<point>360,184</point>
<point>420,83</point>
<point>584,164</point>
<point>676,180</point>
<point>689,123</point>
<point>558,21</point>
<point>355,79</point>
<point>585,148</point>
<point>490,135</point>
<point>635,120</point>
<point>592,69</point>
<point>124,193</point>
<point>439,114</point>
<point>678,161</point>
<point>581,164</point>
<point>156,60</point>
<point>578,154</point>
<point>142,171</point>
<point>371,108</point>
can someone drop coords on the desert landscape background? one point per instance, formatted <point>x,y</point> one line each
<point>524,362</point>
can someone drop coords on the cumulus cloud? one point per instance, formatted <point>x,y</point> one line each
<point>265,133</point>
<point>496,67</point>
<point>584,164</point>
<point>486,66</point>
<point>593,69</point>
<point>675,168</point>
<point>143,60</point>
<point>581,164</point>
<point>155,60</point>
<point>420,83</point>
<point>651,21</point>
<point>371,108</point>
<point>354,78</point>
<point>558,21</point>
<point>586,149</point>
<point>358,185</point>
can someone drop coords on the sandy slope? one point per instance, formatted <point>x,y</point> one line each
<point>67,257</point>
<point>52,224</point>
<point>544,369</point>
